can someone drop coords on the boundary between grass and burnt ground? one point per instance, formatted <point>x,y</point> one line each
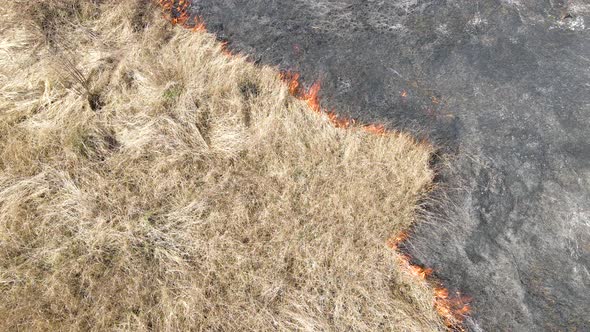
<point>453,308</point>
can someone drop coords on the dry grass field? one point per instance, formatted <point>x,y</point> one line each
<point>148,182</point>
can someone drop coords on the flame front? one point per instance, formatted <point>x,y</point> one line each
<point>311,97</point>
<point>452,309</point>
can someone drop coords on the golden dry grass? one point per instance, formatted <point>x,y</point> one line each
<point>149,182</point>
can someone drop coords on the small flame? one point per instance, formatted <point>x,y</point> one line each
<point>292,80</point>
<point>377,129</point>
<point>394,242</point>
<point>225,49</point>
<point>451,308</point>
<point>420,272</point>
<point>177,13</point>
<point>311,97</point>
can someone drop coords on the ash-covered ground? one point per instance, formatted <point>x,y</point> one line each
<point>503,87</point>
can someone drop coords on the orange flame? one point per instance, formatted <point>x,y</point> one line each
<point>311,97</point>
<point>292,80</point>
<point>452,309</point>
<point>377,129</point>
<point>395,241</point>
<point>177,13</point>
<point>225,50</point>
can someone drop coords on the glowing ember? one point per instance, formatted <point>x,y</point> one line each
<point>451,308</point>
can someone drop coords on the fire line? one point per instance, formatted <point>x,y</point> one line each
<point>453,309</point>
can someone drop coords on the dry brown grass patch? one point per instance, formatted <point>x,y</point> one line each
<point>148,182</point>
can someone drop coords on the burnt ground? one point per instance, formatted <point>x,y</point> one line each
<point>503,87</point>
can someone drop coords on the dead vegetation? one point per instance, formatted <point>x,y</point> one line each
<point>149,182</point>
